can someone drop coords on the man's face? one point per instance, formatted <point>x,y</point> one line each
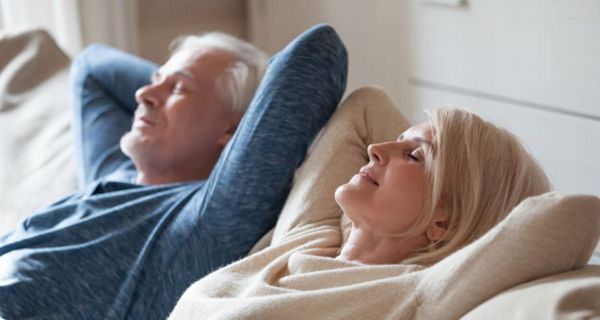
<point>180,121</point>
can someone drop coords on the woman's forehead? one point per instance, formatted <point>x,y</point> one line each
<point>421,132</point>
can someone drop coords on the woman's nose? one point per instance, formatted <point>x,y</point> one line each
<point>147,95</point>
<point>377,153</point>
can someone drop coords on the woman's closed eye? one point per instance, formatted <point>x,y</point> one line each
<point>415,155</point>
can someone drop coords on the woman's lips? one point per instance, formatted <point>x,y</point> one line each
<point>364,173</point>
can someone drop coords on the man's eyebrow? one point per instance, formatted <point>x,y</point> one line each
<point>156,75</point>
<point>185,74</point>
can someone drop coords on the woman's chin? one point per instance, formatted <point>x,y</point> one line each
<point>340,194</point>
<point>347,196</point>
<point>350,188</point>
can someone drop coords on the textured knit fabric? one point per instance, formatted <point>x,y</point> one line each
<point>298,277</point>
<point>120,250</point>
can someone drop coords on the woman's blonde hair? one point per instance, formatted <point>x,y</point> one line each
<point>478,173</point>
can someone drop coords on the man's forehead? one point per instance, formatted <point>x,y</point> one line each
<point>192,63</point>
<point>180,61</point>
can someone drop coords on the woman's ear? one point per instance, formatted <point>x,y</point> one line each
<point>437,228</point>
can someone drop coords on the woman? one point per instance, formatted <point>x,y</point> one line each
<point>432,201</point>
<point>437,187</point>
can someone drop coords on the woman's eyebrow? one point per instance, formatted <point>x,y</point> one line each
<point>418,140</point>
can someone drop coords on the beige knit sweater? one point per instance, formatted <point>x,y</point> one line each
<point>298,277</point>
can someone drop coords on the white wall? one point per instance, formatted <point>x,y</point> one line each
<point>143,27</point>
<point>542,52</point>
<point>530,65</point>
<point>76,23</point>
<point>375,34</point>
<point>113,22</point>
<point>161,21</point>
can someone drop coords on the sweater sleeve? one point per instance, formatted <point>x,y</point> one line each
<point>542,236</point>
<point>366,116</point>
<point>103,84</point>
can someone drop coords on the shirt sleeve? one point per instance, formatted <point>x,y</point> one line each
<point>103,84</point>
<point>246,190</point>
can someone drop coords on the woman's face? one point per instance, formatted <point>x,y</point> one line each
<point>388,194</point>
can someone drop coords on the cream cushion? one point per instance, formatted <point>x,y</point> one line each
<point>37,165</point>
<point>543,236</point>
<point>568,295</point>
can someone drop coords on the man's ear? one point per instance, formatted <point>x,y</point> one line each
<point>437,228</point>
<point>229,131</point>
<point>224,139</point>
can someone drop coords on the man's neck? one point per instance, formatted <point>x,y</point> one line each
<point>170,176</point>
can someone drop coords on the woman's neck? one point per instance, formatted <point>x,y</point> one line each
<point>365,247</point>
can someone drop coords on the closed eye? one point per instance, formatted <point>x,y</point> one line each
<point>415,155</point>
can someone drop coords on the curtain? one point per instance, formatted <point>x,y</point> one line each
<point>76,23</point>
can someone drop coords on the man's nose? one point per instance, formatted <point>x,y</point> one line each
<point>148,96</point>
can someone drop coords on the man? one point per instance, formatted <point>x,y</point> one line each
<point>184,117</point>
<point>131,241</point>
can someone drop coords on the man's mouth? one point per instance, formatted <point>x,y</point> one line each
<point>364,173</point>
<point>147,121</point>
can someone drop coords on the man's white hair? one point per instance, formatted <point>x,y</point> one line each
<point>237,85</point>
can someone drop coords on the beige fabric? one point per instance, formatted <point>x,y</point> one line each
<point>297,277</point>
<point>568,295</point>
<point>36,147</point>
<point>542,236</point>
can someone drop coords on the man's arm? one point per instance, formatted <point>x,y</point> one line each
<point>104,81</point>
<point>247,188</point>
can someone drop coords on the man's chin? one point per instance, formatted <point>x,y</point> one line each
<point>133,145</point>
